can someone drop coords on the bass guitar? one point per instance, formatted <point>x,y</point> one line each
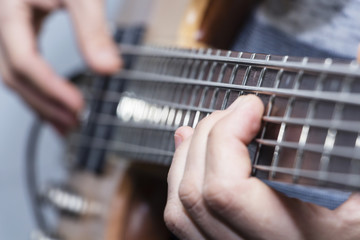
<point>118,158</point>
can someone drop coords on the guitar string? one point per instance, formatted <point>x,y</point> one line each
<point>267,113</point>
<point>347,98</point>
<point>346,179</point>
<point>336,68</point>
<point>340,151</point>
<point>343,125</point>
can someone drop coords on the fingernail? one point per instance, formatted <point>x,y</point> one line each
<point>178,140</point>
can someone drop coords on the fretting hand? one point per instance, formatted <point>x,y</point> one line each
<point>212,195</point>
<point>23,69</point>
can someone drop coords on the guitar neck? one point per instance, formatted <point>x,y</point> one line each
<point>310,133</point>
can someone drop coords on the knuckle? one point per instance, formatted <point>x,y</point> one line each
<point>218,195</point>
<point>206,122</point>
<point>202,125</point>
<point>217,131</point>
<point>217,112</point>
<point>189,195</point>
<point>172,217</point>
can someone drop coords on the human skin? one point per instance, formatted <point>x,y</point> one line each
<point>24,70</point>
<point>212,195</point>
<point>211,165</point>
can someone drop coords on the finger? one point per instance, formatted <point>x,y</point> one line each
<point>175,216</point>
<point>24,62</point>
<point>93,35</point>
<point>47,109</point>
<point>245,203</point>
<point>190,191</point>
<point>228,166</point>
<point>234,133</point>
<point>28,94</point>
<point>47,5</point>
<point>181,134</point>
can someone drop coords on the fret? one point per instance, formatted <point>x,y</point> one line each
<point>235,69</point>
<point>262,73</point>
<point>306,128</point>
<point>154,136</point>
<point>189,63</point>
<point>220,78</point>
<point>204,94</point>
<point>304,132</point>
<point>185,99</point>
<point>201,75</point>
<point>142,136</point>
<point>204,65</point>
<point>246,75</point>
<point>331,134</point>
<point>198,67</point>
<point>173,116</point>
<point>255,160</point>
<point>141,110</point>
<point>280,138</point>
<point>164,66</point>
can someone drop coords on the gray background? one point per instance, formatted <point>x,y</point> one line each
<point>59,48</point>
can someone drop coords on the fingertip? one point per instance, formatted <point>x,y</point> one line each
<point>184,131</point>
<point>250,98</point>
<point>102,56</point>
<point>244,120</point>
<point>181,134</point>
<point>105,61</point>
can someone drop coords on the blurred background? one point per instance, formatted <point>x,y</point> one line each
<point>59,48</point>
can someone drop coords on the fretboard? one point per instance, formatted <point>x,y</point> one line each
<point>310,133</point>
